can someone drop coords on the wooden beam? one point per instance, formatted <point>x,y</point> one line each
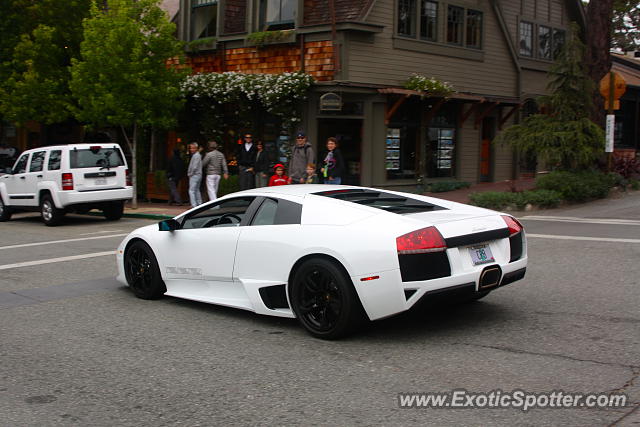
<point>394,108</point>
<point>433,110</point>
<point>504,119</point>
<point>484,113</point>
<point>465,115</point>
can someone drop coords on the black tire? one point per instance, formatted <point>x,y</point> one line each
<point>51,216</point>
<point>114,210</point>
<point>5,211</point>
<point>324,299</point>
<point>142,272</point>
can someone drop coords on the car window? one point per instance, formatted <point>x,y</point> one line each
<point>54,160</point>
<point>382,200</point>
<point>37,161</point>
<point>266,214</point>
<point>226,213</point>
<point>21,164</point>
<point>102,157</point>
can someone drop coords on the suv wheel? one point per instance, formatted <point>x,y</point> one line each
<point>114,210</point>
<point>50,214</point>
<point>5,211</point>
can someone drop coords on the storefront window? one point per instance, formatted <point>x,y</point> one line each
<point>400,152</point>
<point>441,152</point>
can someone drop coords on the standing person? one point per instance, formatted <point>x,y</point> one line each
<point>311,177</point>
<point>194,172</point>
<point>332,167</point>
<point>215,166</point>
<point>175,173</point>
<point>246,156</point>
<point>279,178</point>
<point>262,166</point>
<point>301,156</point>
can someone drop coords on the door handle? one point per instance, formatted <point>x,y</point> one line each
<point>39,176</point>
<point>22,177</point>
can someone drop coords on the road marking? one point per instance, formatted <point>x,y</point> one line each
<point>593,239</point>
<point>54,260</point>
<point>99,232</point>
<point>608,221</point>
<point>52,242</point>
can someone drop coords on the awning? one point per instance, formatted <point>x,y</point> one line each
<point>456,96</point>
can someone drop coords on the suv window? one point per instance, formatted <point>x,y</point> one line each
<point>227,213</point>
<point>21,164</point>
<point>55,158</point>
<point>37,161</point>
<point>103,157</point>
<point>382,200</point>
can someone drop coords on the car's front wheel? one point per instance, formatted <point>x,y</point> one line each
<point>114,211</point>
<point>50,214</point>
<point>324,300</point>
<point>5,211</point>
<point>142,272</point>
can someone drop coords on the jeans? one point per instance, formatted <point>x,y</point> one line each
<point>213,181</point>
<point>195,198</point>
<point>336,181</point>
<point>261,181</point>
<point>174,195</point>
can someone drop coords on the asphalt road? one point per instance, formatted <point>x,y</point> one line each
<point>77,348</point>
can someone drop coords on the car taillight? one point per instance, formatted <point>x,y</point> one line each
<point>128,177</point>
<point>514,226</point>
<point>67,181</point>
<point>421,241</point>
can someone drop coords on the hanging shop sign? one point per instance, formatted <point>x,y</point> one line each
<point>330,102</point>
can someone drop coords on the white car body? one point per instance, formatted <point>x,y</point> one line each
<point>230,265</point>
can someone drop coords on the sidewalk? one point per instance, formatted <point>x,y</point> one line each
<point>162,210</point>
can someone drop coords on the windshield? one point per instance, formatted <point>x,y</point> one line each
<point>102,157</point>
<point>381,200</point>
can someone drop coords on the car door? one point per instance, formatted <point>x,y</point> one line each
<point>197,260</point>
<point>33,176</point>
<point>16,183</point>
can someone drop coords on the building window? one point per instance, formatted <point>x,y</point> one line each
<point>474,29</point>
<point>429,20</point>
<point>544,42</point>
<point>406,13</point>
<point>558,42</point>
<point>204,17</point>
<point>278,14</point>
<point>526,39</point>
<point>455,21</point>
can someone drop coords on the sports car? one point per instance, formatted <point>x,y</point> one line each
<point>328,255</point>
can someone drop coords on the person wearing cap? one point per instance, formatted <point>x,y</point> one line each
<point>215,166</point>
<point>279,178</point>
<point>301,155</point>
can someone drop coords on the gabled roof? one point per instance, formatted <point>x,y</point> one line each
<point>628,68</point>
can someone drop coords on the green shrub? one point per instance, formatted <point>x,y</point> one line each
<point>502,199</point>
<point>227,186</point>
<point>542,198</point>
<point>634,184</point>
<point>442,186</point>
<point>493,199</point>
<point>577,186</point>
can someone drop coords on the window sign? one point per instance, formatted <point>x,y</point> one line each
<point>392,159</point>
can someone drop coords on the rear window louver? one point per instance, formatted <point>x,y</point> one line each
<point>382,200</point>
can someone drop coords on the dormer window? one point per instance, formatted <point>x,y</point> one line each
<point>204,17</point>
<point>278,14</point>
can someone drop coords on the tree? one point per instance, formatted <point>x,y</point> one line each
<point>626,25</point>
<point>564,137</point>
<point>39,38</point>
<point>122,78</point>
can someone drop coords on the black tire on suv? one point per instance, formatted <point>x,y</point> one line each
<point>51,215</point>
<point>5,211</point>
<point>114,210</point>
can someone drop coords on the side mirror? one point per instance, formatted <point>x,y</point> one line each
<point>168,225</point>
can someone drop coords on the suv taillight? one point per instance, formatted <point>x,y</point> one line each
<point>67,181</point>
<point>421,241</point>
<point>128,177</point>
<point>514,226</point>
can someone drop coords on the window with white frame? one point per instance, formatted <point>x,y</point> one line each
<point>278,14</point>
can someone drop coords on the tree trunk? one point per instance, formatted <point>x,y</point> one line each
<point>598,40</point>
<point>131,143</point>
<point>152,149</point>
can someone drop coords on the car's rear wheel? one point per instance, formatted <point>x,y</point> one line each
<point>324,300</point>
<point>142,272</point>
<point>114,210</point>
<point>5,211</point>
<point>50,214</point>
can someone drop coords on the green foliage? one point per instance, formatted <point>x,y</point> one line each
<point>578,186</point>
<point>492,199</point>
<point>626,25</point>
<point>228,186</point>
<point>540,198</point>
<point>443,186</point>
<point>634,184</point>
<point>565,138</point>
<point>262,38</point>
<point>199,43</point>
<point>508,200</point>
<point>429,85</point>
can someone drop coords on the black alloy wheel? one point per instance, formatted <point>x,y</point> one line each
<point>324,300</point>
<point>142,272</point>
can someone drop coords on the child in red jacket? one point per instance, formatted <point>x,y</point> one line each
<point>279,178</point>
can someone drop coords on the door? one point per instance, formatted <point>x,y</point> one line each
<point>197,260</point>
<point>17,182</point>
<point>33,176</point>
<point>486,152</point>
<point>348,132</point>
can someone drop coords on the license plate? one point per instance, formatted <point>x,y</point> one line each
<point>481,254</point>
<point>101,181</point>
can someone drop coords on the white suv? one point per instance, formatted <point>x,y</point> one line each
<point>67,178</point>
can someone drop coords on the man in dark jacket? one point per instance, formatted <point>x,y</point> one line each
<point>301,155</point>
<point>246,156</point>
<point>175,172</point>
